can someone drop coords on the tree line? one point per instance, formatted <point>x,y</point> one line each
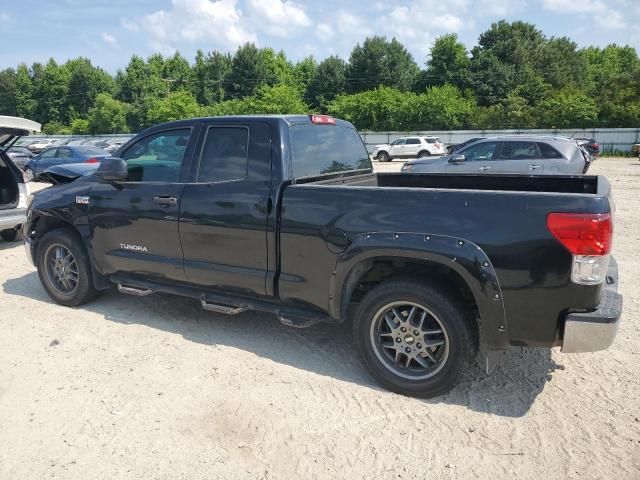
<point>515,77</point>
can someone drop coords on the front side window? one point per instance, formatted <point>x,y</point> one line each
<point>400,141</point>
<point>480,152</point>
<point>225,155</point>
<point>157,157</point>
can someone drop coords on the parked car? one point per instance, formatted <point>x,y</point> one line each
<point>59,155</point>
<point>409,147</point>
<point>41,144</point>
<point>455,147</point>
<point>523,155</point>
<point>284,214</point>
<point>590,145</point>
<point>13,190</point>
<point>19,155</point>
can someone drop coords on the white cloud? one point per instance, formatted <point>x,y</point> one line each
<point>130,25</point>
<point>324,31</point>
<point>604,15</point>
<point>349,23</point>
<point>219,22</point>
<point>417,24</point>
<point>109,39</point>
<point>501,8</point>
<point>278,18</point>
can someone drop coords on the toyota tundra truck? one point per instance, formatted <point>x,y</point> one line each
<point>284,214</point>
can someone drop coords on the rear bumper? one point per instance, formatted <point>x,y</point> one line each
<point>594,331</point>
<point>12,218</point>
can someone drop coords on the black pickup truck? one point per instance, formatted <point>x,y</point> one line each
<point>284,214</point>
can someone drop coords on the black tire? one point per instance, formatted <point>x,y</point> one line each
<point>29,175</point>
<point>443,310</point>
<point>9,235</point>
<point>83,290</point>
<point>424,154</point>
<point>383,157</point>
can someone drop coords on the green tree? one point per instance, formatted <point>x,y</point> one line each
<point>208,76</point>
<point>442,107</point>
<point>108,115</point>
<point>329,82</point>
<point>80,126</point>
<point>177,72</point>
<point>384,108</point>
<point>448,63</point>
<point>278,99</point>
<point>85,83</point>
<point>25,104</point>
<point>567,108</point>
<point>8,92</point>
<point>250,69</point>
<point>304,72</point>
<point>50,90</point>
<point>560,63</point>
<point>175,106</point>
<point>55,127</point>
<point>379,62</point>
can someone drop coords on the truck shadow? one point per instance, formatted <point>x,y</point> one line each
<point>323,349</point>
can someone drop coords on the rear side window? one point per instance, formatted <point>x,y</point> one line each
<point>432,140</point>
<point>413,141</point>
<point>322,149</point>
<point>548,151</point>
<point>518,151</point>
<point>224,155</point>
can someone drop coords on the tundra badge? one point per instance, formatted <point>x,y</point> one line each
<point>134,248</point>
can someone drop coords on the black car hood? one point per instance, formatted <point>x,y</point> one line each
<point>59,174</point>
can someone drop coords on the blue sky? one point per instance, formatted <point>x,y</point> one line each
<point>110,31</point>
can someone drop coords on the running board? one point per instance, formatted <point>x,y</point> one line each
<point>136,291</point>
<point>226,303</point>
<point>224,309</point>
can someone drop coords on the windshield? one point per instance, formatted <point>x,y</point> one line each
<point>322,149</point>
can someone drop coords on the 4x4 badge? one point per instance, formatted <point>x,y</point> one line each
<point>82,200</point>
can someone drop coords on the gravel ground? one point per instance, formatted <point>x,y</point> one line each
<point>155,388</point>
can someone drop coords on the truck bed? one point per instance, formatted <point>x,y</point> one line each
<point>513,183</point>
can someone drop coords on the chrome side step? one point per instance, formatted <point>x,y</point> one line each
<point>220,308</point>
<point>138,292</point>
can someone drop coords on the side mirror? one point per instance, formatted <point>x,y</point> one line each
<point>459,158</point>
<point>112,169</point>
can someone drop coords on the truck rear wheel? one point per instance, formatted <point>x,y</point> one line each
<point>413,337</point>
<point>64,268</point>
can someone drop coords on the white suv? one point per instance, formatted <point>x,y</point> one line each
<point>409,147</point>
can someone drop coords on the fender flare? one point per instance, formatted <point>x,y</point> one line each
<point>462,256</point>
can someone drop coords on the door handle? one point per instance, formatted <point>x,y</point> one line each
<point>166,201</point>
<point>533,167</point>
<point>484,167</point>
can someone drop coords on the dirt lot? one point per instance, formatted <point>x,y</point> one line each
<point>156,388</point>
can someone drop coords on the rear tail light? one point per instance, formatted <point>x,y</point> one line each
<point>91,160</point>
<point>589,238</point>
<point>323,119</point>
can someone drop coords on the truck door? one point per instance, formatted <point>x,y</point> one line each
<point>223,214</point>
<point>134,224</point>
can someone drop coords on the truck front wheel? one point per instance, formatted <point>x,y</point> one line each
<point>413,337</point>
<point>64,268</point>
